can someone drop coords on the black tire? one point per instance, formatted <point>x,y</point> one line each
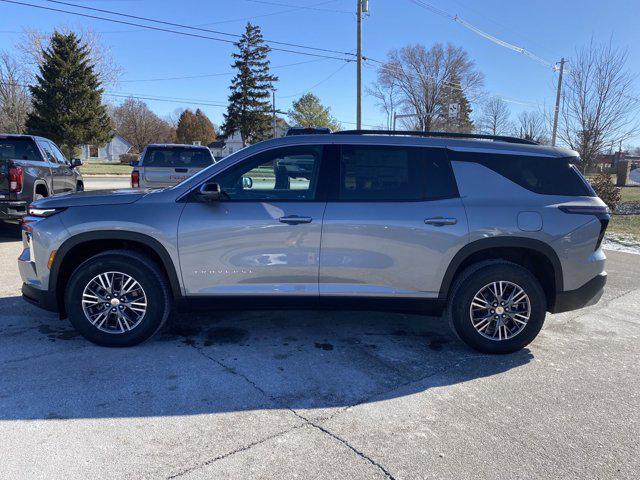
<point>79,187</point>
<point>471,281</point>
<point>145,272</point>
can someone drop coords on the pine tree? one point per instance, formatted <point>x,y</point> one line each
<point>309,112</point>
<point>249,105</point>
<point>67,99</point>
<point>452,95</point>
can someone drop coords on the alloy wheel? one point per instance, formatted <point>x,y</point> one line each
<point>114,302</point>
<point>500,310</point>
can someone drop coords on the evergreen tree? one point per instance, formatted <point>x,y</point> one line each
<point>249,105</point>
<point>454,120</point>
<point>309,112</point>
<point>67,98</point>
<point>195,128</point>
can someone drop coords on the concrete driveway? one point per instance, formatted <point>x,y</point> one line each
<point>320,395</point>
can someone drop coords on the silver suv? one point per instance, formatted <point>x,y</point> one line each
<point>492,231</point>
<point>167,164</point>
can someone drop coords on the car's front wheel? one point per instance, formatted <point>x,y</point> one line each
<point>497,307</point>
<point>118,298</point>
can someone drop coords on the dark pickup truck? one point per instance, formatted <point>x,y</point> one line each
<point>32,168</point>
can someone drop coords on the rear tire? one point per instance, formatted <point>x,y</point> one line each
<point>118,298</point>
<point>496,324</point>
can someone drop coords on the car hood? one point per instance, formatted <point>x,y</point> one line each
<point>94,197</point>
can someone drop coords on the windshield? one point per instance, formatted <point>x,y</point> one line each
<point>18,149</point>
<point>181,157</point>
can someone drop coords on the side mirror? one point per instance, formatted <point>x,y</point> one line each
<point>210,192</point>
<point>134,163</point>
<point>75,162</point>
<point>247,182</point>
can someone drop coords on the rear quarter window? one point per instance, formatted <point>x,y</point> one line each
<point>543,175</point>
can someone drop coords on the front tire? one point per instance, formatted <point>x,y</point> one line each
<point>118,298</point>
<point>497,307</point>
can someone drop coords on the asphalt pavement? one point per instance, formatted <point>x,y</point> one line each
<point>320,395</point>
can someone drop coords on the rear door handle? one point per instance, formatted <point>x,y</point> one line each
<point>295,219</point>
<point>440,221</point>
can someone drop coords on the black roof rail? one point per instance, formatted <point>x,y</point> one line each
<point>416,133</point>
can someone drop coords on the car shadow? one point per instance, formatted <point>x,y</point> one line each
<point>9,232</point>
<point>231,361</point>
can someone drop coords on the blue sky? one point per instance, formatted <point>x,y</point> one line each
<point>548,28</point>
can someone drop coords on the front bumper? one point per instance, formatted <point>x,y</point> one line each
<point>44,299</point>
<point>585,296</point>
<point>13,209</point>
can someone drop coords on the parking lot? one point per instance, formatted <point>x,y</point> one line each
<point>320,395</point>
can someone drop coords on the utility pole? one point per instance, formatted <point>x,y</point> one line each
<point>557,110</point>
<point>359,68</point>
<point>273,106</point>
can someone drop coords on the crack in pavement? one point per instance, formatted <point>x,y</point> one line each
<point>306,421</point>
<point>233,452</point>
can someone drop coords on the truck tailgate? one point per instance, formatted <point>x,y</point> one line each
<point>166,176</point>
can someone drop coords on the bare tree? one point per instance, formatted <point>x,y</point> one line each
<point>495,117</point>
<point>386,100</point>
<point>139,125</point>
<point>34,42</point>
<point>423,78</point>
<point>532,126</point>
<point>15,100</point>
<point>598,103</point>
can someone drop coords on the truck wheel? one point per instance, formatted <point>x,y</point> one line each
<point>118,298</point>
<point>497,307</point>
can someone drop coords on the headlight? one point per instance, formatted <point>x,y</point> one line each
<point>43,212</point>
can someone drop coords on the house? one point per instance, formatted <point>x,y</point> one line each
<point>223,148</point>
<point>109,153</point>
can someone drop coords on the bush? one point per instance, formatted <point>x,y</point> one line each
<point>127,158</point>
<point>606,190</point>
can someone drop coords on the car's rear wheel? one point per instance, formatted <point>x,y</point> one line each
<point>118,298</point>
<point>497,307</point>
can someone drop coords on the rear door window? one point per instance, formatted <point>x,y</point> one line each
<point>18,149</point>
<point>389,173</point>
<point>177,157</point>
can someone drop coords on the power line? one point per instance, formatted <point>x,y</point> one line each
<point>452,86</point>
<point>160,29</point>
<point>328,77</point>
<point>220,74</point>
<point>477,31</point>
<point>305,7</point>
<point>190,27</point>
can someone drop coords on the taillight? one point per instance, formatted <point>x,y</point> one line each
<point>586,209</point>
<point>15,179</point>
<point>601,212</point>
<point>135,179</point>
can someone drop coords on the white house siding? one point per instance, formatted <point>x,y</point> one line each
<point>109,153</point>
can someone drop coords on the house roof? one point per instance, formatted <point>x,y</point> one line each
<point>216,144</point>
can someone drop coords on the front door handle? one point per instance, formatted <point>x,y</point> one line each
<point>295,219</point>
<point>440,221</point>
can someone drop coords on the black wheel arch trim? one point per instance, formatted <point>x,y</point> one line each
<point>499,242</point>
<point>151,242</point>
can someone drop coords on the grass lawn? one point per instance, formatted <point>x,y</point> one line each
<point>630,194</point>
<point>105,169</point>
<point>625,228</point>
